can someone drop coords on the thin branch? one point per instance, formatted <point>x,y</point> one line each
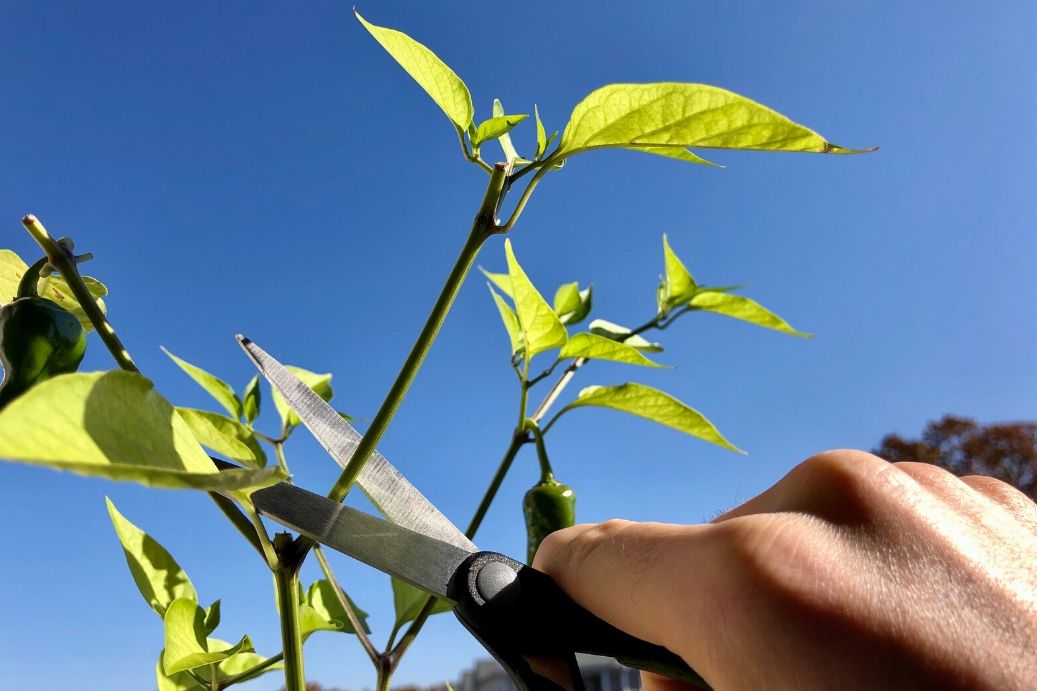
<point>347,606</point>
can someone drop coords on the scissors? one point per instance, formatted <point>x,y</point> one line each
<point>520,615</point>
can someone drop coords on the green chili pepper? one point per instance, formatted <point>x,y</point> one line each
<point>549,505</point>
<point>39,339</point>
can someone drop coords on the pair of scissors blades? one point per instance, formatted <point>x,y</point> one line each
<point>520,615</point>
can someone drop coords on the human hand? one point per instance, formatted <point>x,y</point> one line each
<point>849,573</point>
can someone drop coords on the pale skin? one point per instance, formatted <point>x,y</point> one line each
<point>849,573</point>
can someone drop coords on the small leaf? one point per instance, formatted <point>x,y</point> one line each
<point>593,346</point>
<point>181,681</point>
<point>159,578</point>
<point>743,308</point>
<point>320,383</point>
<point>114,425</point>
<point>652,404</point>
<point>686,116</point>
<point>678,286</point>
<point>501,281</point>
<point>217,388</point>
<point>52,287</point>
<point>321,598</point>
<point>212,618</point>
<point>510,319</point>
<point>541,134</point>
<point>571,304</point>
<point>241,662</point>
<point>251,400</point>
<point>186,645</point>
<point>495,127</point>
<point>439,81</point>
<point>622,334</point>
<point>409,600</point>
<point>224,436</point>
<point>510,155</point>
<point>541,328</point>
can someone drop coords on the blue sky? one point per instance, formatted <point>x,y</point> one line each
<point>268,169</point>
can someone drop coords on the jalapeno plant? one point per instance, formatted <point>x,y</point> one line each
<point>137,435</point>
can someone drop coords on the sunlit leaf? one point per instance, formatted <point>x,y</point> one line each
<point>743,308</point>
<point>623,334</point>
<point>320,383</point>
<point>685,116</point>
<point>501,281</point>
<point>675,152</point>
<point>181,681</point>
<point>114,425</point>
<point>212,618</point>
<point>541,328</point>
<point>217,388</point>
<point>231,666</point>
<point>541,134</point>
<point>571,304</point>
<point>593,346</point>
<point>408,601</point>
<point>510,319</point>
<point>510,155</point>
<point>321,598</point>
<point>431,73</point>
<point>225,437</point>
<point>186,644</point>
<point>678,286</point>
<point>652,404</point>
<point>159,578</point>
<point>251,400</point>
<point>495,127</point>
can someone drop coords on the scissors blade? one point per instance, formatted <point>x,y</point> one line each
<point>422,561</point>
<point>393,494</point>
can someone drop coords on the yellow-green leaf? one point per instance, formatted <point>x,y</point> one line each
<point>510,319</point>
<point>541,134</point>
<point>186,644</point>
<point>501,281</point>
<point>495,127</point>
<point>541,328</point>
<point>655,405</point>
<point>624,335</point>
<point>114,425</point>
<point>408,601</point>
<point>743,308</point>
<point>510,155</point>
<point>685,116</point>
<point>320,383</point>
<point>675,152</point>
<point>225,437</point>
<point>439,81</point>
<point>321,599</point>
<point>678,285</point>
<point>595,347</point>
<point>250,400</point>
<point>571,304</point>
<point>217,388</point>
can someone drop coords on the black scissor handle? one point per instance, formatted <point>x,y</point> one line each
<point>534,629</point>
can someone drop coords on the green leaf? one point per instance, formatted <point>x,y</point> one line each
<point>321,598</point>
<point>541,134</point>
<point>159,578</point>
<point>181,681</point>
<point>742,308</point>
<point>114,425</point>
<point>652,404</point>
<point>495,127</point>
<point>52,287</point>
<point>501,281</point>
<point>212,618</point>
<point>685,116</point>
<point>409,600</point>
<point>233,665</point>
<point>431,73</point>
<point>622,334</point>
<point>217,388</point>
<point>541,328</point>
<point>224,436</point>
<point>510,155</point>
<point>678,286</point>
<point>595,347</point>
<point>251,400</point>
<point>510,319</point>
<point>186,644</point>
<point>571,304</point>
<point>320,383</point>
<point>675,152</point>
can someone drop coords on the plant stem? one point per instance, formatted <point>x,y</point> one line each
<point>384,674</point>
<point>286,582</point>
<point>253,671</point>
<point>66,266</point>
<point>351,614</point>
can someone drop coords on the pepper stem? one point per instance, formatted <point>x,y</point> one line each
<point>31,277</point>
<point>546,473</point>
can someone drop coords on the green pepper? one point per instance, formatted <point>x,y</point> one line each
<point>39,339</point>
<point>549,505</point>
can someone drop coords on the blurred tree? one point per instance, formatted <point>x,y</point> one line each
<point>1007,451</point>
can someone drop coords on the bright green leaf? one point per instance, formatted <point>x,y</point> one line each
<point>622,334</point>
<point>652,404</point>
<point>683,115</point>
<point>510,155</point>
<point>212,618</point>
<point>595,347</point>
<point>501,281</point>
<point>224,436</point>
<point>541,134</point>
<point>320,383</point>
<point>409,600</point>
<point>186,644</point>
<point>742,308</point>
<point>241,662</point>
<point>431,73</point>
<point>510,319</point>
<point>495,127</point>
<point>114,425</point>
<point>678,286</point>
<point>675,152</point>
<point>217,388</point>
<point>181,681</point>
<point>159,578</point>
<point>541,328</point>
<point>571,304</point>
<point>52,287</point>
<point>251,400</point>
<point>321,598</point>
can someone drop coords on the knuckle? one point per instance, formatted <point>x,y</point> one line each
<point>774,552</point>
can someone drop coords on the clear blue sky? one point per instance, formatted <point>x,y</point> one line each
<point>267,168</point>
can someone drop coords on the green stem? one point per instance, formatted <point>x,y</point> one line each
<point>252,672</point>
<point>66,266</point>
<point>524,198</point>
<point>286,582</point>
<point>214,672</point>
<point>347,606</point>
<point>199,679</point>
<point>546,473</point>
<point>279,450</point>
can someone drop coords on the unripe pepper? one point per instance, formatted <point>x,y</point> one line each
<point>549,505</point>
<point>39,339</point>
